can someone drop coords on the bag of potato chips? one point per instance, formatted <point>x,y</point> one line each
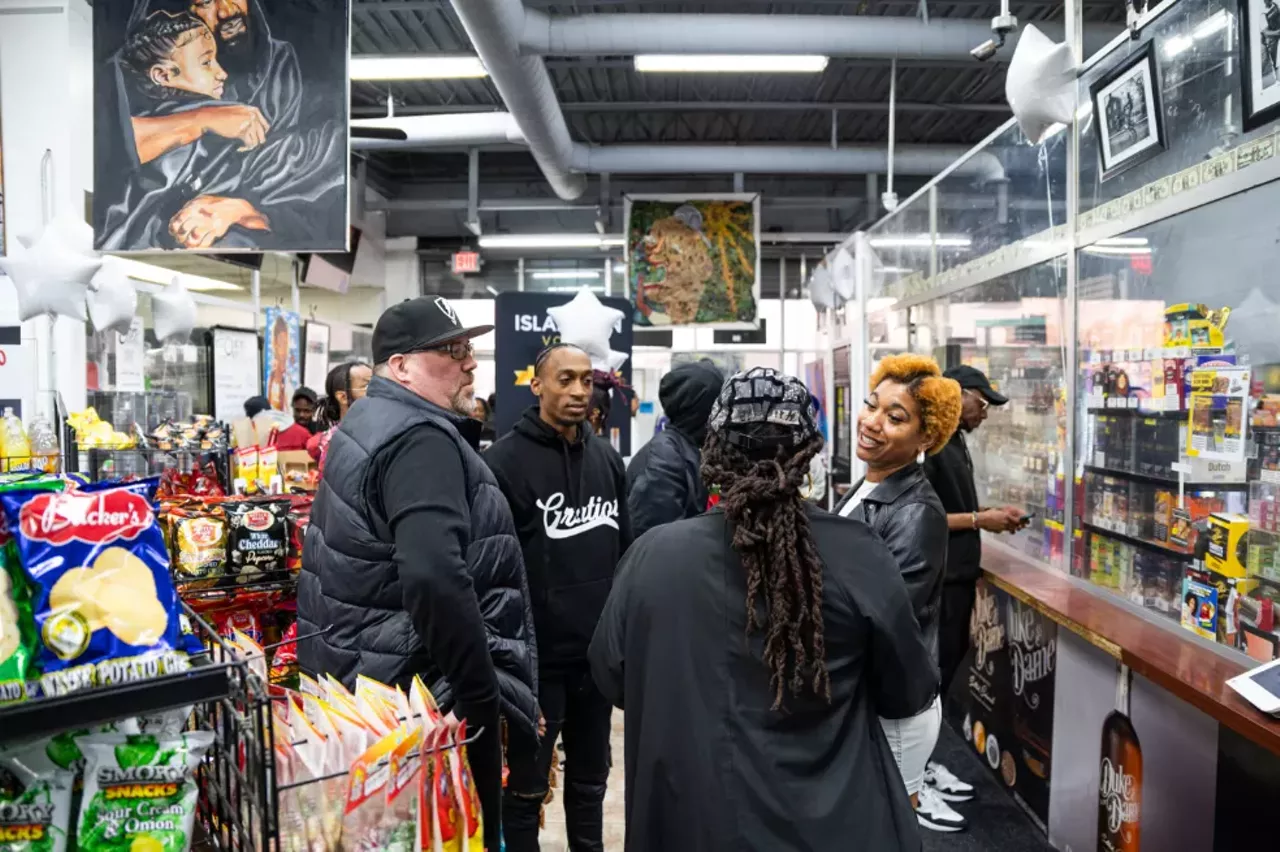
<point>35,801</point>
<point>140,792</point>
<point>103,600</point>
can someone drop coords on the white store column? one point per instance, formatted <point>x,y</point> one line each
<point>46,81</point>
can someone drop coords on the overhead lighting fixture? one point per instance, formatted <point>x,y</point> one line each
<point>428,67</point>
<point>730,64</point>
<point>559,274</point>
<point>599,289</point>
<point>1215,23</point>
<point>1178,45</point>
<point>161,276</point>
<point>922,241</point>
<point>1125,251</point>
<point>1115,242</point>
<point>881,303</point>
<point>549,241</point>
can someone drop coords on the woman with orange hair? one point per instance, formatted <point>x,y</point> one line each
<point>911,410</point>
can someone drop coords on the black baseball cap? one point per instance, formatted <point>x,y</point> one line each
<point>763,397</point>
<point>416,325</point>
<point>972,377</point>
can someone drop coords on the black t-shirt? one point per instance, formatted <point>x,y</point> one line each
<point>950,472</point>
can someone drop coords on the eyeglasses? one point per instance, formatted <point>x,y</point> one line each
<point>982,400</point>
<point>458,350</point>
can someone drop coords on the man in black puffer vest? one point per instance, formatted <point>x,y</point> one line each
<point>411,558</point>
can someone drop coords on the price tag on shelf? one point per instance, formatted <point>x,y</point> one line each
<point>1271,477</point>
<point>1099,459</point>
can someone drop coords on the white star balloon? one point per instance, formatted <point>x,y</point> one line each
<point>53,271</point>
<point>112,299</point>
<point>843,274</point>
<point>588,324</point>
<point>1041,83</point>
<point>820,291</point>
<point>174,311</point>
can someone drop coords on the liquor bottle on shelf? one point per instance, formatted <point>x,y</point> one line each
<point>1120,782</point>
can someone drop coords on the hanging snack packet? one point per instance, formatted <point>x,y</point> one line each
<point>35,802</point>
<point>140,792</point>
<point>257,538</point>
<point>362,819</point>
<point>103,601</point>
<point>17,628</point>
<point>471,834</point>
<point>199,546</point>
<point>400,819</point>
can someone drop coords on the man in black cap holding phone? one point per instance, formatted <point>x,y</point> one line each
<point>411,563</point>
<point>951,474</point>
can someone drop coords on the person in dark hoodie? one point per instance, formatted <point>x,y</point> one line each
<point>567,492</point>
<point>663,482</point>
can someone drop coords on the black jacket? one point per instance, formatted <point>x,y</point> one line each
<point>709,766</point>
<point>907,515</point>
<point>412,557</point>
<point>569,503</point>
<point>950,472</point>
<point>664,483</point>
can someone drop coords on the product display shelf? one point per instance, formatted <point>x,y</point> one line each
<point>1163,481</point>
<point>208,680</point>
<point>1153,546</point>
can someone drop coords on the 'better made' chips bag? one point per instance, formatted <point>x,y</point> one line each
<point>103,600</point>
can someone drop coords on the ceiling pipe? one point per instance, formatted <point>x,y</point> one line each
<point>782,159</point>
<point>439,131</point>
<point>863,36</point>
<point>472,129</point>
<point>494,27</point>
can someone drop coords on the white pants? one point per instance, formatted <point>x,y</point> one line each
<point>912,741</point>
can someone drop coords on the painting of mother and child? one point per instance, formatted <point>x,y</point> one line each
<point>221,125</point>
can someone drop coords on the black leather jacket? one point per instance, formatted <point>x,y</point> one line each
<point>905,512</point>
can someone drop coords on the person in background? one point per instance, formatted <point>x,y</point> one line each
<point>411,565</point>
<point>755,727</point>
<point>950,472</point>
<point>911,411</point>
<point>345,384</point>
<point>483,412</point>
<point>296,436</point>
<point>663,480</point>
<point>567,491</point>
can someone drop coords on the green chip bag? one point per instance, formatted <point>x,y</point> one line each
<point>35,802</point>
<point>17,626</point>
<point>140,791</point>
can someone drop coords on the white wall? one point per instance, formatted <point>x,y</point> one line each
<point>46,51</point>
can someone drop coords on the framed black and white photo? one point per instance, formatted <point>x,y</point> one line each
<point>1127,113</point>
<point>1260,48</point>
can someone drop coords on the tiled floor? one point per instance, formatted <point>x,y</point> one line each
<point>553,836</point>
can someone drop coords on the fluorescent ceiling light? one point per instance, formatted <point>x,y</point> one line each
<point>880,303</point>
<point>1122,241</point>
<point>728,63</point>
<point>548,241</point>
<point>598,289</point>
<point>552,274</point>
<point>426,67</point>
<point>1177,45</point>
<point>922,241</point>
<point>152,274</point>
<point>1119,250</point>
<point>894,270</point>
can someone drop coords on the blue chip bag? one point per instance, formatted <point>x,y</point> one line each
<point>104,604</point>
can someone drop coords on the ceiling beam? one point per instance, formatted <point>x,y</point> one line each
<point>698,106</point>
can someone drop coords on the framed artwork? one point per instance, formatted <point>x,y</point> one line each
<point>1127,113</point>
<point>282,357</point>
<point>315,355</point>
<point>221,125</point>
<point>1260,53</point>
<point>694,259</point>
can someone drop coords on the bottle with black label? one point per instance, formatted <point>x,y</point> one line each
<point>1120,780</point>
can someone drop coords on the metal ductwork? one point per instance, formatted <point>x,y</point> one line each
<point>781,159</point>
<point>464,130</point>
<point>495,27</point>
<point>864,36</point>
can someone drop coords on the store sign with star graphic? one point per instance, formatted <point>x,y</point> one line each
<point>527,323</point>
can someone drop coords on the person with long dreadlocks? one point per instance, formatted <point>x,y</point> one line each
<point>753,650</point>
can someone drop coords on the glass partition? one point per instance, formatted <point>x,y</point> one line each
<point>1012,328</point>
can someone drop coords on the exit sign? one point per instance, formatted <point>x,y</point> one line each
<point>466,261</point>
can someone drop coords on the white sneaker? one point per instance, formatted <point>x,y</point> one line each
<point>948,787</point>
<point>936,815</point>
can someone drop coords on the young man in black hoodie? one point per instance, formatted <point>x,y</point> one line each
<point>567,490</point>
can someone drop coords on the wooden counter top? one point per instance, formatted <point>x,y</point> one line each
<point>1196,674</point>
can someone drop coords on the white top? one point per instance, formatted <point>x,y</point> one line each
<point>864,489</point>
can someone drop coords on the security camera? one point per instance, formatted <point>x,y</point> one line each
<point>1002,26</point>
